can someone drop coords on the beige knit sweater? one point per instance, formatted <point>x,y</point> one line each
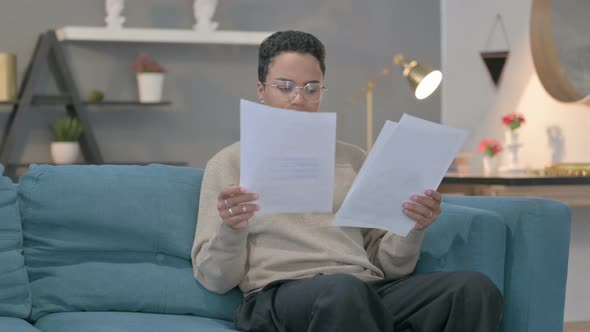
<point>289,246</point>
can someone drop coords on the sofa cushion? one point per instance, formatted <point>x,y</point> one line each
<point>11,324</point>
<point>114,238</point>
<point>129,322</point>
<point>15,296</point>
<point>464,238</point>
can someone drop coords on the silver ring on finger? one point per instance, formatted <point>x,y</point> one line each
<point>244,209</point>
<point>226,203</point>
<point>231,212</point>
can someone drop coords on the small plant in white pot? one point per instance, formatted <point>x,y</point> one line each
<point>150,78</point>
<point>65,148</point>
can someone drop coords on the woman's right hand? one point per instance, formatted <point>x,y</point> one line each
<point>235,207</point>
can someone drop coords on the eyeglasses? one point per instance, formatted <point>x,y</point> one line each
<point>312,92</point>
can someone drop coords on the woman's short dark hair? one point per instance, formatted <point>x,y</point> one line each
<point>289,41</point>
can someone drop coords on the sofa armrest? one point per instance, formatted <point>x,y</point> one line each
<point>536,261</point>
<point>465,238</point>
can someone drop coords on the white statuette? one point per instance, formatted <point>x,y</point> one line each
<point>114,8</point>
<point>203,11</point>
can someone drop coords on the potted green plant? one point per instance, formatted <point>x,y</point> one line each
<point>95,96</point>
<point>150,78</point>
<point>66,132</point>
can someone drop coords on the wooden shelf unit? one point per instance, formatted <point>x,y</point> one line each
<point>48,50</point>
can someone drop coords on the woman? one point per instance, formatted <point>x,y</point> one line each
<point>301,273</point>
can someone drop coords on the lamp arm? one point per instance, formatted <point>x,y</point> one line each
<point>412,71</point>
<point>398,59</point>
<point>367,90</point>
<point>369,115</point>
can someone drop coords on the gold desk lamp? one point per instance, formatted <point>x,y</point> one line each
<point>422,79</point>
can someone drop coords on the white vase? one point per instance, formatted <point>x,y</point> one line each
<point>65,152</point>
<point>511,137</point>
<point>150,86</point>
<point>513,145</point>
<point>490,165</point>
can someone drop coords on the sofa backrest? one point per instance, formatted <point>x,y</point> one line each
<point>114,238</point>
<point>15,295</point>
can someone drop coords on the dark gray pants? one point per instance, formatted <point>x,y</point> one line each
<point>440,301</point>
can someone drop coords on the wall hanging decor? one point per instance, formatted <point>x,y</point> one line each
<point>495,58</point>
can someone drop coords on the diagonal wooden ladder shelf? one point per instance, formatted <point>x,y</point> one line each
<point>48,48</point>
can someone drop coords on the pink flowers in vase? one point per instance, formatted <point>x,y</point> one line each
<point>490,147</point>
<point>513,120</point>
<point>143,64</point>
<point>150,78</point>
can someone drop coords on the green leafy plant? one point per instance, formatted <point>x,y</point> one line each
<point>96,95</point>
<point>66,129</point>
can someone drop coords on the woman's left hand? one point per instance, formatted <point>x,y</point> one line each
<point>424,209</point>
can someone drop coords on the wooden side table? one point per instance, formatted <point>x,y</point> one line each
<point>572,190</point>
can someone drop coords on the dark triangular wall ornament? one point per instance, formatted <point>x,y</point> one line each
<point>495,56</point>
<point>495,62</point>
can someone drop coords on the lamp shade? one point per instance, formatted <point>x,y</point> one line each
<point>422,79</point>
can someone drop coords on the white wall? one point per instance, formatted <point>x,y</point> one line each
<point>470,101</point>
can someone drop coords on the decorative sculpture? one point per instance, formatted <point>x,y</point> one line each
<point>556,144</point>
<point>495,60</point>
<point>114,20</point>
<point>203,11</point>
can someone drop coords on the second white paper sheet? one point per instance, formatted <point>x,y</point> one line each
<point>407,159</point>
<point>287,157</point>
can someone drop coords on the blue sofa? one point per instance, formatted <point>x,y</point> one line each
<point>107,248</point>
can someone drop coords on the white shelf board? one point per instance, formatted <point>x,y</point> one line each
<point>140,35</point>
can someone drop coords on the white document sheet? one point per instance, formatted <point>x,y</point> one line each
<point>287,157</point>
<point>407,158</point>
